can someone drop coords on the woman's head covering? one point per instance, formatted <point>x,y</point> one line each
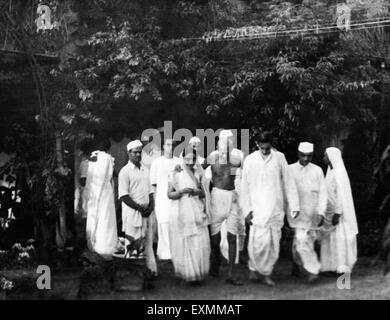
<point>343,188</point>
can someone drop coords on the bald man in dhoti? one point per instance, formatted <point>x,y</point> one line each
<point>265,183</point>
<point>224,163</point>
<point>311,186</point>
<point>159,177</point>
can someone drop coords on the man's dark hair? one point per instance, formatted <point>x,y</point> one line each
<point>264,137</point>
<point>104,144</point>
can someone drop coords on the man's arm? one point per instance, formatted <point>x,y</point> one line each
<point>290,187</point>
<point>123,191</point>
<point>131,203</point>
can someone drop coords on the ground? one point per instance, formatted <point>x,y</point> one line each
<point>367,282</point>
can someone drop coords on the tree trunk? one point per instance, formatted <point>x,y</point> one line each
<point>61,232</point>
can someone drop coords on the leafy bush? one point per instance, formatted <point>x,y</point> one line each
<point>18,256</point>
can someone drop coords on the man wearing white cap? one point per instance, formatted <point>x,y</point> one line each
<point>135,194</point>
<point>224,164</point>
<point>195,144</point>
<point>160,170</point>
<point>265,185</point>
<point>311,186</point>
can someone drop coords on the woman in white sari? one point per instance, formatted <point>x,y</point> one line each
<point>190,241</point>
<point>101,217</point>
<point>338,244</point>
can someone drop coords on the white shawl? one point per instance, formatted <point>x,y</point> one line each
<point>344,188</point>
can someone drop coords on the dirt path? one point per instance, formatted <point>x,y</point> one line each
<point>367,282</point>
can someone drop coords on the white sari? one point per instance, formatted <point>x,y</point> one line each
<point>190,241</point>
<point>339,245</point>
<point>101,216</point>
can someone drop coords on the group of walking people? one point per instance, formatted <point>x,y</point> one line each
<point>200,209</point>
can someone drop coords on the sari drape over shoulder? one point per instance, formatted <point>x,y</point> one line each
<point>101,219</point>
<point>190,242</point>
<point>339,245</point>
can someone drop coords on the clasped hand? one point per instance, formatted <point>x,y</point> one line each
<point>146,210</point>
<point>189,191</point>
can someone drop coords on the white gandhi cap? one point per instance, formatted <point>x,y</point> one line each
<point>306,147</point>
<point>194,140</point>
<point>134,144</point>
<point>224,134</point>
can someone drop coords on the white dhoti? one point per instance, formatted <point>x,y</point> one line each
<point>263,249</point>
<point>304,254</point>
<point>225,207</point>
<point>226,217</point>
<point>339,250</point>
<point>134,229</point>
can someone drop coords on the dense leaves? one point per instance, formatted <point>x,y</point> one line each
<point>149,55</point>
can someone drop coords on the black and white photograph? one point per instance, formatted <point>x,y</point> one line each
<point>163,151</point>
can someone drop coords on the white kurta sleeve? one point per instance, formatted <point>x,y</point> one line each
<point>289,185</point>
<point>245,199</point>
<point>123,183</point>
<point>323,194</point>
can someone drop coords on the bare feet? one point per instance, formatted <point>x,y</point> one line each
<point>268,281</point>
<point>234,282</point>
<point>254,276</point>
<point>311,278</point>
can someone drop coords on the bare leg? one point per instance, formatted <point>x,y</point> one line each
<point>215,254</point>
<point>232,241</point>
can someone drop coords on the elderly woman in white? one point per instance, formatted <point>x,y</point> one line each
<point>101,218</point>
<point>190,242</point>
<point>338,245</point>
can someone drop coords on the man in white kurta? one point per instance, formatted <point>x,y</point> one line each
<point>265,182</point>
<point>159,176</point>
<point>311,186</point>
<point>134,192</point>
